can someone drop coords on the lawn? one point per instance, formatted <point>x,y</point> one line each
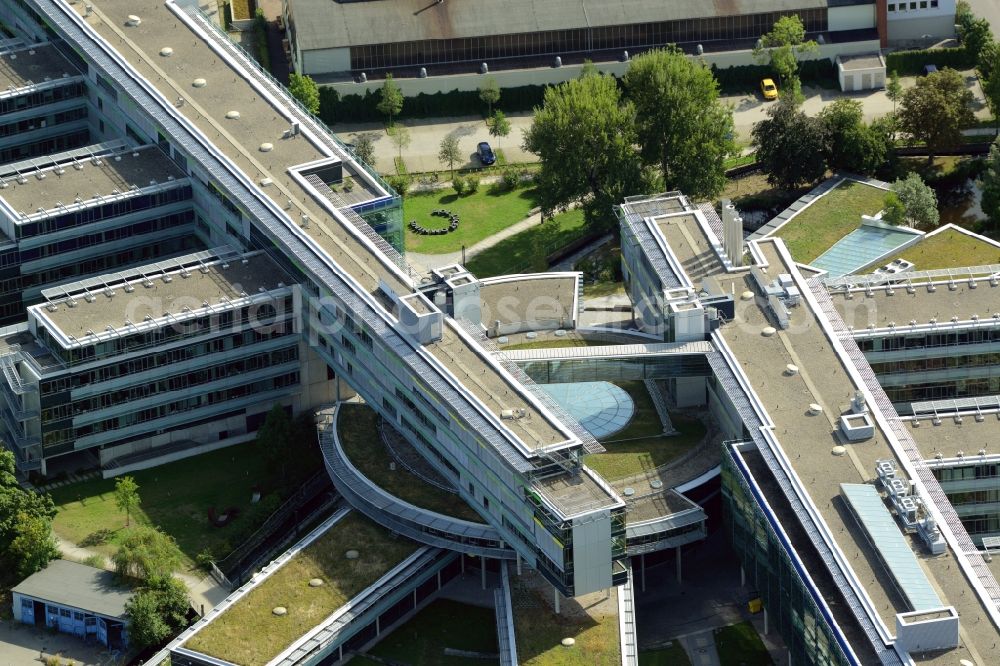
<point>289,586</point>
<point>739,645</point>
<point>442,624</point>
<point>538,631</point>
<point>640,446</point>
<point>670,656</point>
<point>358,431</point>
<point>176,498</point>
<point>481,215</point>
<point>603,288</point>
<point>834,215</point>
<point>949,249</point>
<point>527,250</point>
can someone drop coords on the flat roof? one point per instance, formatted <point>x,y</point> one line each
<point>902,307</point>
<point>88,180</point>
<point>861,61</point>
<point>690,245</point>
<point>379,551</point>
<point>469,364</point>
<point>33,65</point>
<point>807,441</point>
<point>524,298</point>
<point>240,140</point>
<point>950,437</point>
<point>77,585</point>
<point>161,293</point>
<point>321,24</point>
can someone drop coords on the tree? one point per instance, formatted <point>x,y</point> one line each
<point>585,136</point>
<point>852,145</point>
<point>990,184</point>
<point>893,210</point>
<point>304,89</point>
<point>935,111</point>
<point>157,611</point>
<point>146,553</point>
<point>683,127</point>
<point>790,146</point>
<point>782,48</point>
<point>449,152</point>
<point>391,102</point>
<point>894,89</point>
<point>975,36</point>
<point>489,92</point>
<point>15,501</point>
<point>364,147</point>
<point>400,135</point>
<point>919,201</point>
<point>126,495</point>
<point>499,126</point>
<point>34,546</point>
<point>991,90</point>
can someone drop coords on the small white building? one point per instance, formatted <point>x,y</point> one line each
<point>861,72</point>
<point>75,599</point>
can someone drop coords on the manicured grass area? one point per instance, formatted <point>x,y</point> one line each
<point>249,633</point>
<point>836,214</point>
<point>176,498</point>
<point>442,624</point>
<point>358,431</point>
<point>670,656</point>
<point>949,249</point>
<point>481,214</point>
<point>598,289</point>
<point>527,250</point>
<point>539,630</point>
<point>739,645</point>
<point>640,446</point>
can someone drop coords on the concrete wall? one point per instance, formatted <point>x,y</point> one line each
<point>913,27</point>
<point>552,75</point>
<point>321,61</point>
<point>856,17</point>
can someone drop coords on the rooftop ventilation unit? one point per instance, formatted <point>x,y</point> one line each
<point>168,278</point>
<point>89,297</point>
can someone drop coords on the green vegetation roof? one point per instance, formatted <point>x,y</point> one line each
<point>641,445</point>
<point>828,219</point>
<point>949,249</point>
<point>248,633</point>
<point>362,443</point>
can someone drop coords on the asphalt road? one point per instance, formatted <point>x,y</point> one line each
<point>988,9</point>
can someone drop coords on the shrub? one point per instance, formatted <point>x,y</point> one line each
<point>471,184</point>
<point>260,40</point>
<point>510,178</point>
<point>204,559</point>
<point>95,560</point>
<point>400,183</point>
<point>458,182</point>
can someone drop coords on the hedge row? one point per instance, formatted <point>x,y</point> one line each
<point>911,63</point>
<point>334,107</point>
<point>354,108</point>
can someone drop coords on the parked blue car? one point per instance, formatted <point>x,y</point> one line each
<point>486,156</point>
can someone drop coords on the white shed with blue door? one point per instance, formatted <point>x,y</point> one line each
<point>75,599</point>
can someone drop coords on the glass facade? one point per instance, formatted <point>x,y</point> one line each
<point>577,40</point>
<point>790,605</point>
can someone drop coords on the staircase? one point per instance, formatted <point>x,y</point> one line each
<point>660,403</point>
